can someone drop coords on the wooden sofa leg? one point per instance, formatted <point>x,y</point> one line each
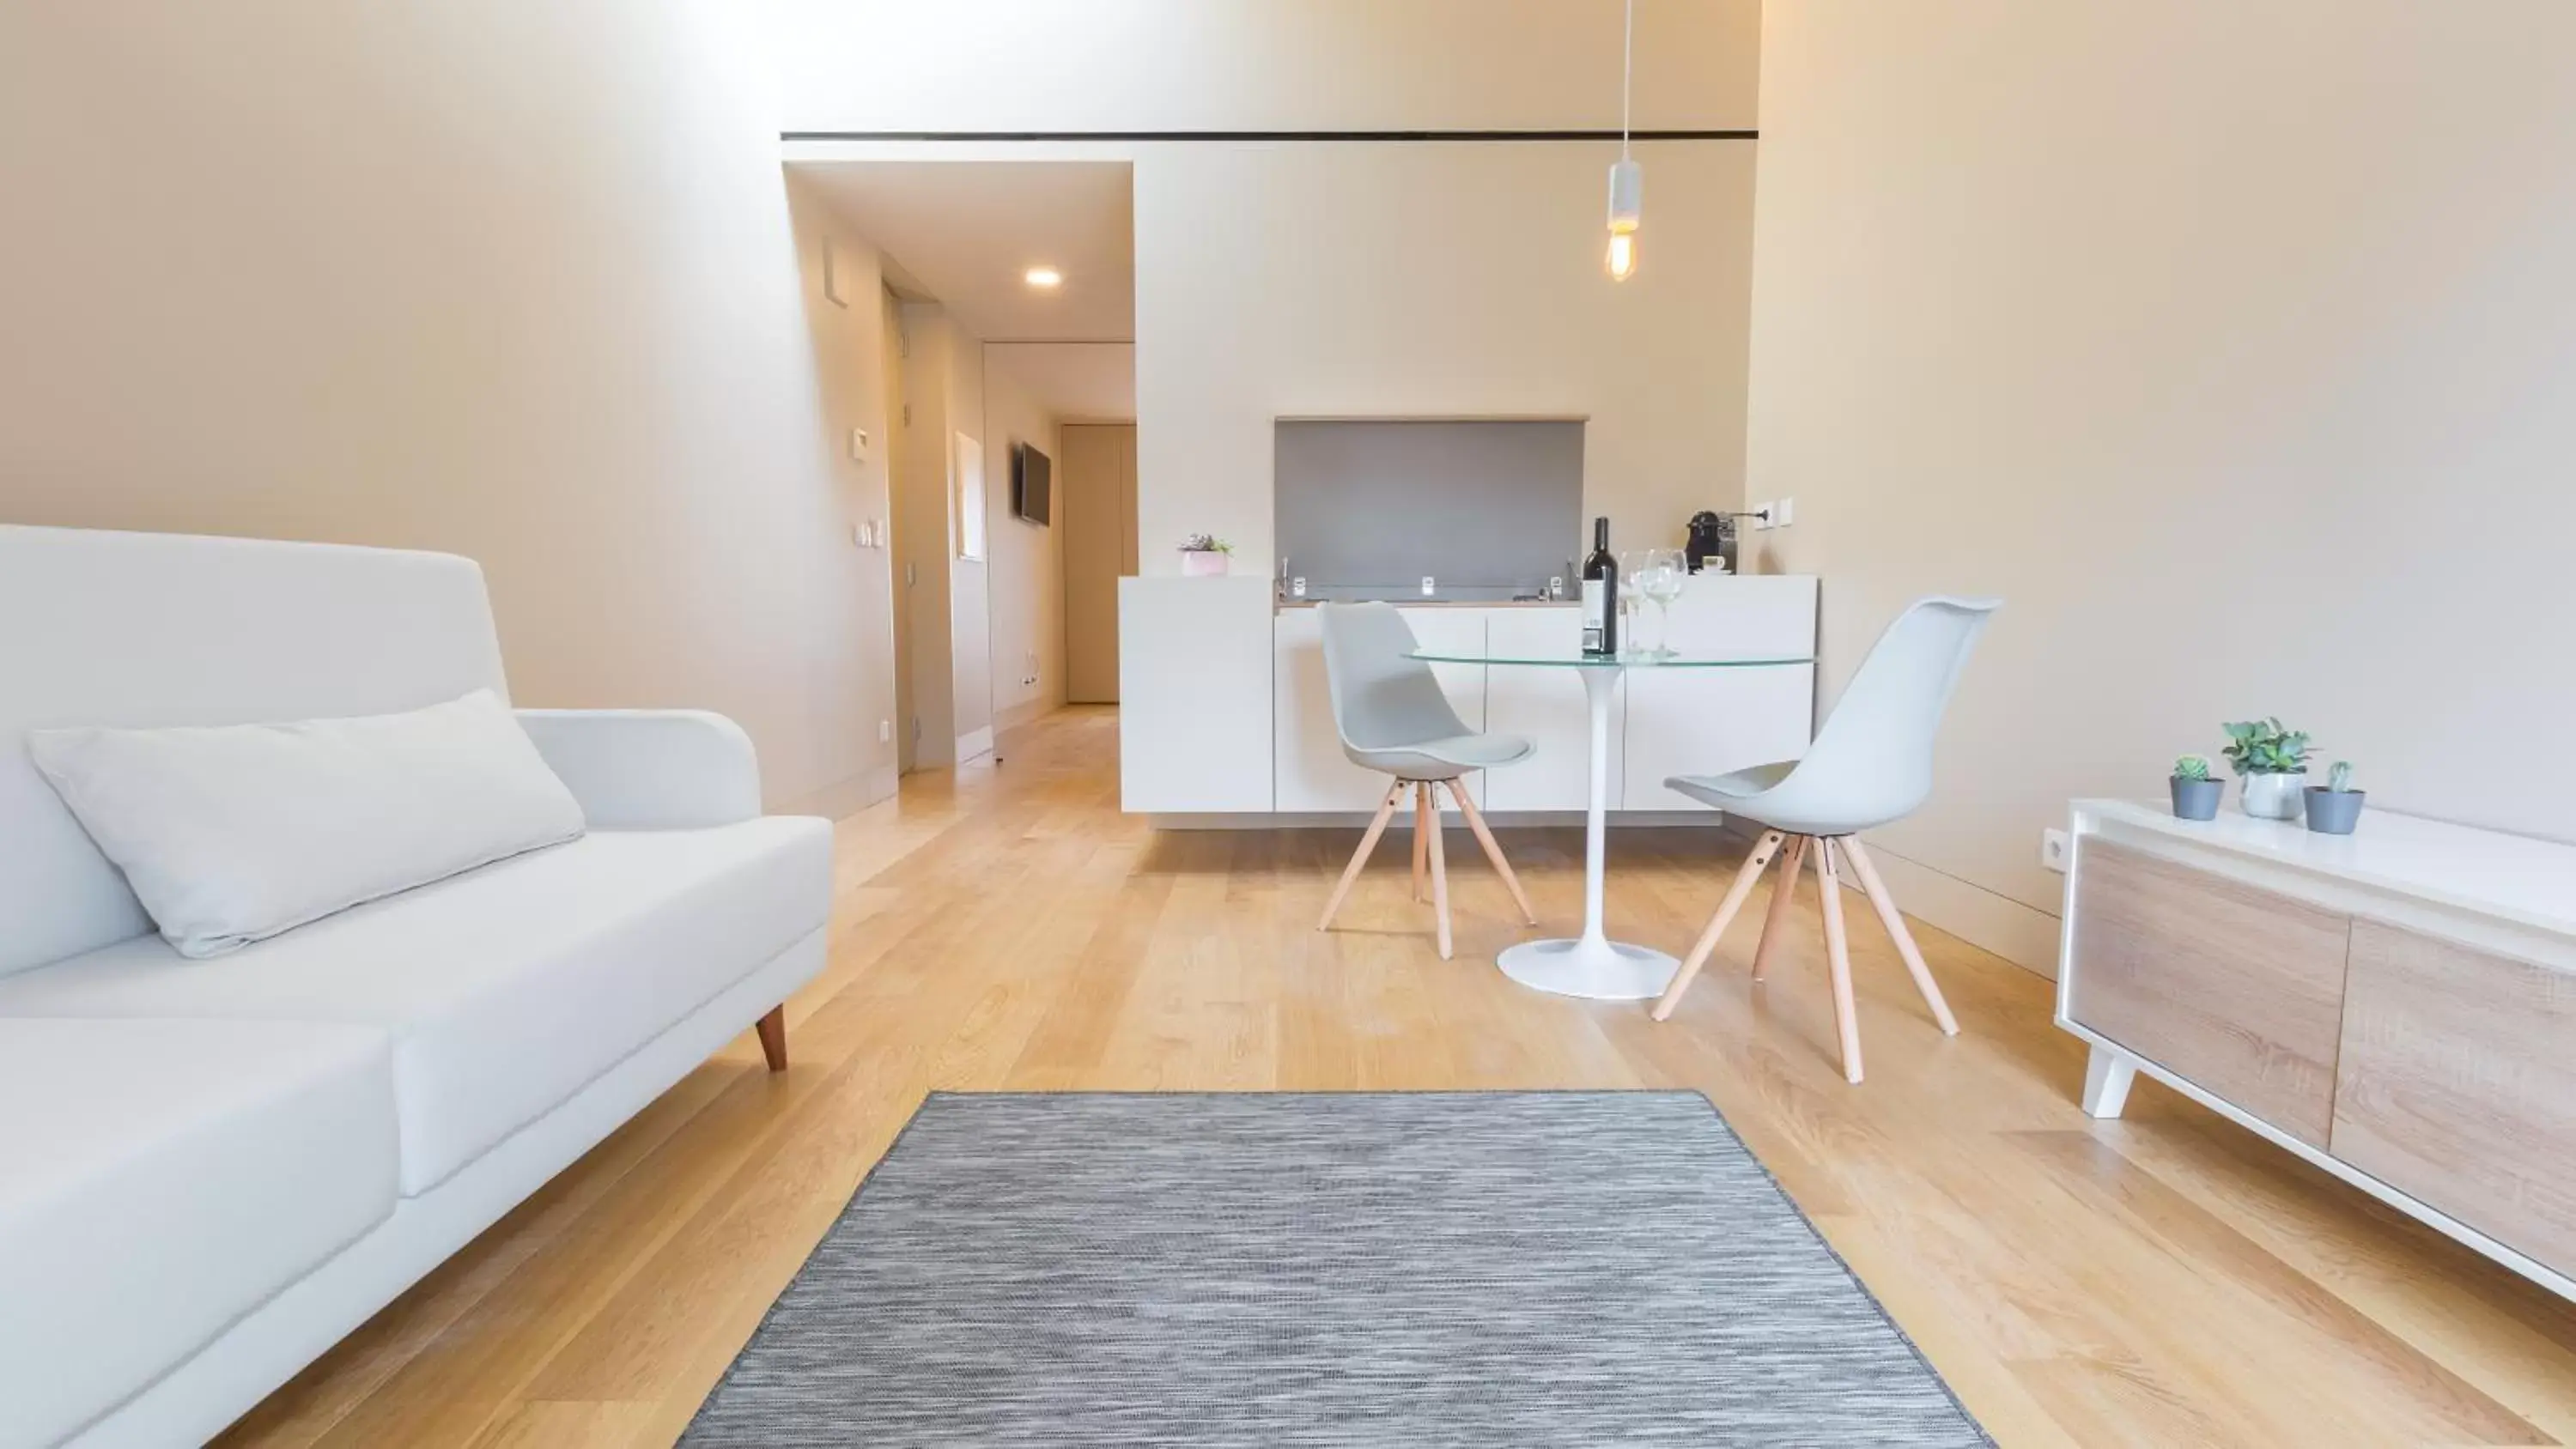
<point>773,1038</point>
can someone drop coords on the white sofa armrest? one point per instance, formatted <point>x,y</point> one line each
<point>650,769</point>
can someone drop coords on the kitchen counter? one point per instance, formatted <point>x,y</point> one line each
<point>1288,604</point>
<point>1225,714</point>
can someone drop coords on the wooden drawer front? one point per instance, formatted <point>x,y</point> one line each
<point>2236,989</point>
<point>2458,1085</point>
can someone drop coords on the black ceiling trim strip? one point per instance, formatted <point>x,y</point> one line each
<point>1477,136</point>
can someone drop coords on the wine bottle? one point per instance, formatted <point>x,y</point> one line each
<point>1601,595</point>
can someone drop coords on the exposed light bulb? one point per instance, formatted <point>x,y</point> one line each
<point>1622,259</point>
<point>1043,277</point>
<point>1627,199</point>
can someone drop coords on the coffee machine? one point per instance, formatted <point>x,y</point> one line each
<point>1712,536</point>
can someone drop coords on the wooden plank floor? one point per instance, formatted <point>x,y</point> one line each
<point>2165,1280</point>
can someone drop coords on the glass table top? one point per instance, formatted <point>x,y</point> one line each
<point>1642,659</point>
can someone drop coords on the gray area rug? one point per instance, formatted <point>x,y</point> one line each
<point>1470,1268</point>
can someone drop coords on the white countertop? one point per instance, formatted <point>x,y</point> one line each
<point>1441,603</point>
<point>2484,871</point>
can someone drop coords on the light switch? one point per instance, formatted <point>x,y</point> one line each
<point>858,445</point>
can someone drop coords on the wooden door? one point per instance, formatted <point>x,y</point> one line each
<point>1096,505</point>
<point>2457,1085</point>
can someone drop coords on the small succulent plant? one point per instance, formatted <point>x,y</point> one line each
<point>2339,779</point>
<point>1205,543</point>
<point>2266,747</point>
<point>2192,767</point>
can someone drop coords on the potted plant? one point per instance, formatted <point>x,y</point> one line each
<point>1204,556</point>
<point>2335,807</point>
<point>2273,763</point>
<point>2195,795</point>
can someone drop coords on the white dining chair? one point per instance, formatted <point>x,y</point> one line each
<point>1871,764</point>
<point>1394,719</point>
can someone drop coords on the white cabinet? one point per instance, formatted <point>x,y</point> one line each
<point>1711,721</point>
<point>1543,704</point>
<point>1194,677</point>
<point>1226,709</point>
<point>1312,772</point>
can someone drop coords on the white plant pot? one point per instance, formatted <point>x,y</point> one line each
<point>1203,563</point>
<point>2274,797</point>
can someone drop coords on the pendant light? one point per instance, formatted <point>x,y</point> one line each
<point>1627,182</point>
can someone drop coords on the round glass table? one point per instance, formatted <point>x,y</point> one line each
<point>1592,965</point>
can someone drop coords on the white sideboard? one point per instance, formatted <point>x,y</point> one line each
<point>1201,737</point>
<point>2396,1006</point>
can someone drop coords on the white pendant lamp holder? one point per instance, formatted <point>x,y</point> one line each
<point>1627,179</point>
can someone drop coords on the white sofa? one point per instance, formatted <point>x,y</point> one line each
<point>211,1171</point>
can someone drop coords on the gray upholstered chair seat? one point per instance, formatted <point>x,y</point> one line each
<point>1445,758</point>
<point>1769,795</point>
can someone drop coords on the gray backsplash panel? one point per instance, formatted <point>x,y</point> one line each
<point>1489,508</point>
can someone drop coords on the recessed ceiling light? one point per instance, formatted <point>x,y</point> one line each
<point>1044,277</point>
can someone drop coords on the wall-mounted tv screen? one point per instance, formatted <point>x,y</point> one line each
<point>1032,484</point>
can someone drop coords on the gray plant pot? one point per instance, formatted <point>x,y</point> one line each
<point>2196,799</point>
<point>2272,797</point>
<point>2334,812</point>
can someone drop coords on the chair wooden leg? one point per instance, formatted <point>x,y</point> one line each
<point>1439,870</point>
<point>1493,852</point>
<point>1784,889</point>
<point>1759,857</point>
<point>773,1038</point>
<point>1838,954</point>
<point>1359,857</point>
<point>1889,917</point>
<point>1421,836</point>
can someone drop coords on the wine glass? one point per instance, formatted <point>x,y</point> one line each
<point>1661,580</point>
<point>1632,597</point>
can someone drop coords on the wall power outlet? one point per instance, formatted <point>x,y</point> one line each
<point>2054,848</point>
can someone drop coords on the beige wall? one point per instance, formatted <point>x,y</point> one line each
<point>893,65</point>
<point>1025,579</point>
<point>850,354</point>
<point>970,632</point>
<point>516,281</point>
<point>1394,280</point>
<point>2234,345</point>
<point>923,541</point>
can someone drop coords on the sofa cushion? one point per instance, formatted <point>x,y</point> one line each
<point>506,989</point>
<point>160,1179</point>
<point>234,833</point>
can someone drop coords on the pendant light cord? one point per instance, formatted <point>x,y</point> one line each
<point>1627,76</point>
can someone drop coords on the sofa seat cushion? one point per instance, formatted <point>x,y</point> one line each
<point>506,989</point>
<point>159,1180</point>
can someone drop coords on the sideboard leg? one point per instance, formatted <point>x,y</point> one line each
<point>2107,1075</point>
